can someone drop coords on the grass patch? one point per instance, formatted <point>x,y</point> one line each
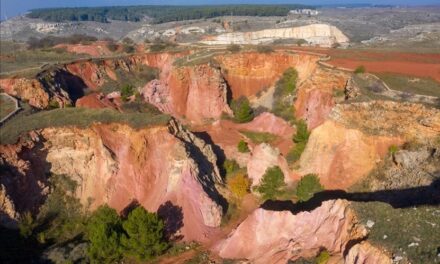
<point>27,63</point>
<point>6,106</point>
<point>79,117</point>
<point>259,137</point>
<point>415,85</point>
<point>396,229</point>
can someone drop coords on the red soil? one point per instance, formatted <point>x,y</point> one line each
<point>413,64</point>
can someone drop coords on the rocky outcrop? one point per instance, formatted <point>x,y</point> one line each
<point>27,89</point>
<point>263,157</point>
<point>347,147</point>
<point>248,73</point>
<point>161,168</point>
<point>365,253</point>
<point>342,156</point>
<point>95,49</point>
<point>279,236</point>
<point>97,101</point>
<point>315,95</point>
<point>315,34</point>
<point>181,91</point>
<point>226,134</point>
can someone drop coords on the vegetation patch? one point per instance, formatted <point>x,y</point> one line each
<point>238,184</point>
<point>7,106</point>
<point>414,85</point>
<point>78,117</point>
<point>259,137</point>
<point>271,184</point>
<point>243,146</point>
<point>307,187</point>
<point>300,138</point>
<point>283,96</point>
<point>242,110</point>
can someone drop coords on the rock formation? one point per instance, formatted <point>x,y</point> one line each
<point>365,253</point>
<point>315,34</point>
<point>247,73</point>
<point>278,236</point>
<point>116,164</point>
<point>347,147</point>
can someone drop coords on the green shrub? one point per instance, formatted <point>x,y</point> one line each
<point>272,183</point>
<point>104,230</point>
<point>284,90</point>
<point>243,112</point>
<point>243,146</point>
<point>393,149</point>
<point>323,257</point>
<point>302,134</point>
<point>295,153</point>
<point>127,91</point>
<point>234,48</point>
<point>26,225</point>
<point>144,237</point>
<point>112,46</point>
<point>307,187</point>
<point>360,69</point>
<point>231,166</point>
<point>259,137</point>
<point>129,48</point>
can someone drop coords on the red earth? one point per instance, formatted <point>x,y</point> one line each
<point>376,61</point>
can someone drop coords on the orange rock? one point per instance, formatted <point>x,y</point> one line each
<point>247,73</point>
<point>30,90</point>
<point>96,101</point>
<point>365,253</point>
<point>278,236</point>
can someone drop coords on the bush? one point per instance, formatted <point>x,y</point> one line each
<point>323,257</point>
<point>243,146</point>
<point>26,225</point>
<point>234,48</point>
<point>127,91</point>
<point>302,134</point>
<point>295,153</point>
<point>307,187</point>
<point>145,235</point>
<point>272,183</point>
<point>239,185</point>
<point>104,233</point>
<point>264,49</point>
<point>393,149</point>
<point>243,112</point>
<point>360,69</point>
<point>283,95</point>
<point>259,137</point>
<point>231,166</point>
<point>127,41</point>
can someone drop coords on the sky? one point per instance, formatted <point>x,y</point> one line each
<point>11,8</point>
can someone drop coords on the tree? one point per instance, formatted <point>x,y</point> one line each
<point>243,146</point>
<point>264,49</point>
<point>302,134</point>
<point>360,69</point>
<point>127,91</point>
<point>272,183</point>
<point>242,110</point>
<point>104,233</point>
<point>307,187</point>
<point>238,184</point>
<point>145,235</point>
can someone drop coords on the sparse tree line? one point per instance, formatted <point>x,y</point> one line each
<point>158,14</point>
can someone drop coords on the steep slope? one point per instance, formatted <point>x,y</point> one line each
<point>273,236</point>
<point>316,34</point>
<point>157,167</point>
<point>247,73</point>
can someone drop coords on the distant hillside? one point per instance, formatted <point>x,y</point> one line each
<point>158,14</point>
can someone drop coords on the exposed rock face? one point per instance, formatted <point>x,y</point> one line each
<point>278,236</point>
<point>346,148</point>
<point>247,73</point>
<point>263,157</point>
<point>342,156</point>
<point>96,49</point>
<point>96,101</point>
<point>226,134</point>
<point>351,89</point>
<point>315,95</point>
<point>29,90</point>
<point>163,166</point>
<point>196,93</point>
<point>365,253</point>
<point>316,34</point>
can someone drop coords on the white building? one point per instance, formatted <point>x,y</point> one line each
<point>310,12</point>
